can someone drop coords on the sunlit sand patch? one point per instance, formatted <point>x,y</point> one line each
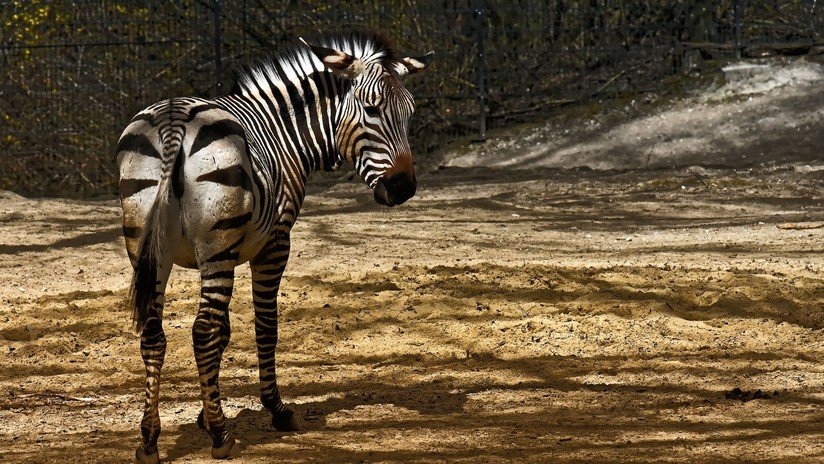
<point>378,413</point>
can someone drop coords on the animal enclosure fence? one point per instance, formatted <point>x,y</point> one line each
<point>73,72</point>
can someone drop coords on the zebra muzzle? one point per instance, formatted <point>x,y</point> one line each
<point>395,189</point>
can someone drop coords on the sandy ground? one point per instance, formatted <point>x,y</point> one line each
<point>502,315</point>
<point>498,317</point>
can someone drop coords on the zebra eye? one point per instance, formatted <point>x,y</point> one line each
<point>372,111</point>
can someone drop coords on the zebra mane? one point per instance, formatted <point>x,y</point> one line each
<point>295,62</point>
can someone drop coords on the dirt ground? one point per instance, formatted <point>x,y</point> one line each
<point>555,315</point>
<point>666,314</point>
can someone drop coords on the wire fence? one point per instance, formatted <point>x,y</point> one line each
<point>72,73</point>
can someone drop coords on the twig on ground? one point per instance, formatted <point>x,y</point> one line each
<point>801,225</point>
<point>702,180</point>
<point>608,83</point>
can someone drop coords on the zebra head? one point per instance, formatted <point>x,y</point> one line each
<point>373,120</point>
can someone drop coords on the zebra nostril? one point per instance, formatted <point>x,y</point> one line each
<point>401,187</point>
<point>382,194</point>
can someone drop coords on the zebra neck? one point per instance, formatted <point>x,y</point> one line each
<point>291,122</point>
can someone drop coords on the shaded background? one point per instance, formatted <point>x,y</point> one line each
<point>73,72</point>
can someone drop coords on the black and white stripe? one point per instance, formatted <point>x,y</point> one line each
<point>210,184</point>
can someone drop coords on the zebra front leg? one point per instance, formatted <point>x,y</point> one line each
<point>210,335</point>
<point>153,352</point>
<point>267,270</point>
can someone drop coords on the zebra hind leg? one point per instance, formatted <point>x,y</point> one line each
<point>153,352</point>
<point>210,335</point>
<point>267,271</point>
<point>225,335</point>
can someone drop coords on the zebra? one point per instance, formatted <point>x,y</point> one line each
<point>210,184</point>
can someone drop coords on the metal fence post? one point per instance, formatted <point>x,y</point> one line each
<point>243,31</point>
<point>218,64</point>
<point>736,8</point>
<point>479,24</point>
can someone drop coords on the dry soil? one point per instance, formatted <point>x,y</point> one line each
<point>500,316</point>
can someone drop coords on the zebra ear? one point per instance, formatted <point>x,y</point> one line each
<point>340,63</point>
<point>412,65</point>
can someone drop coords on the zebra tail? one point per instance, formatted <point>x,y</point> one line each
<point>143,289</point>
<point>153,250</point>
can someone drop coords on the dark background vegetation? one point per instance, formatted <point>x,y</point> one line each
<point>73,72</point>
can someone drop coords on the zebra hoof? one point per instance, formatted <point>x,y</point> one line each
<point>143,457</point>
<point>285,421</point>
<point>228,450</point>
